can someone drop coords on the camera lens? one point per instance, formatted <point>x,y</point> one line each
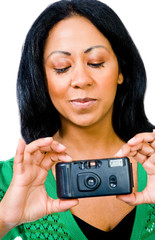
<point>88,181</point>
<point>92,181</point>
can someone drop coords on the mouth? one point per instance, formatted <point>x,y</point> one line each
<point>83,103</point>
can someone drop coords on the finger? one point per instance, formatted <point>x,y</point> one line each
<point>50,159</point>
<point>138,157</point>
<point>60,157</point>
<point>123,152</point>
<point>143,153</point>
<point>38,144</point>
<point>152,144</point>
<point>142,137</point>
<point>139,151</point>
<point>57,147</point>
<point>146,149</point>
<point>149,166</point>
<point>54,147</point>
<point>59,205</point>
<point>126,151</point>
<point>47,146</point>
<point>143,148</point>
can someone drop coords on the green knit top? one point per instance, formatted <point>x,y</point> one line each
<point>62,226</point>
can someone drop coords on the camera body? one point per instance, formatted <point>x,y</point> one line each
<point>97,177</point>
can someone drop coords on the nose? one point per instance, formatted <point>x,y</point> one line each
<point>81,78</point>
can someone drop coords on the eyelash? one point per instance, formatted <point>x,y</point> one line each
<point>96,65</point>
<point>63,70</point>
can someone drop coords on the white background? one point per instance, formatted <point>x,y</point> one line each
<point>17,16</point>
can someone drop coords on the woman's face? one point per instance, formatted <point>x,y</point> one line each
<point>82,72</point>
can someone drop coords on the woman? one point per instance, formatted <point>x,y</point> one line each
<point>81,85</point>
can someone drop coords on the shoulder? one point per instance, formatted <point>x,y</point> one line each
<point>6,172</point>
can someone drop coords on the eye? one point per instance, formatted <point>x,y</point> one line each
<point>96,65</point>
<point>61,70</point>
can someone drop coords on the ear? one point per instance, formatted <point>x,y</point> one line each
<point>120,78</point>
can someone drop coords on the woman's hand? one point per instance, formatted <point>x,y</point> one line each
<point>142,149</point>
<point>26,198</point>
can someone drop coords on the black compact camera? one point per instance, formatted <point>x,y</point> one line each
<point>90,178</point>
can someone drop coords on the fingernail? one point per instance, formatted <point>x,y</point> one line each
<point>68,158</point>
<point>132,140</point>
<point>47,139</point>
<point>65,158</point>
<point>119,153</point>
<point>61,147</point>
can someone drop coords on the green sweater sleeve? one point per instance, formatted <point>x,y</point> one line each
<point>6,172</point>
<point>51,227</point>
<point>144,224</point>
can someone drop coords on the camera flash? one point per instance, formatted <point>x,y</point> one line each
<point>116,162</point>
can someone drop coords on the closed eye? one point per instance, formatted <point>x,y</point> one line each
<point>61,70</point>
<point>96,65</point>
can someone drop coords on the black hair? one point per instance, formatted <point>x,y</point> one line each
<point>38,116</point>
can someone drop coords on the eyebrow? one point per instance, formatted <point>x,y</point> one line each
<point>69,54</point>
<point>63,52</point>
<point>97,46</point>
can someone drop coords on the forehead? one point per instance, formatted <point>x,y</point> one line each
<point>74,33</point>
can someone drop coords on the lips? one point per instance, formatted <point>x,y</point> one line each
<point>82,100</point>
<point>83,103</point>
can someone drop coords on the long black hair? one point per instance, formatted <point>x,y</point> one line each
<point>38,116</point>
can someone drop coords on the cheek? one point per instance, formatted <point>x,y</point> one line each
<point>56,88</point>
<point>56,96</point>
<point>108,82</point>
<point>57,93</point>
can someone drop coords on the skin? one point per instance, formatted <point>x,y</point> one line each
<point>82,72</point>
<point>82,85</point>
<point>83,94</point>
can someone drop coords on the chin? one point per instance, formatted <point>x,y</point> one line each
<point>85,120</point>
<point>84,123</point>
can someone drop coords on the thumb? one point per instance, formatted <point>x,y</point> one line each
<point>19,157</point>
<point>132,199</point>
<point>58,205</point>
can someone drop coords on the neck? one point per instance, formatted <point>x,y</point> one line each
<point>95,141</point>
